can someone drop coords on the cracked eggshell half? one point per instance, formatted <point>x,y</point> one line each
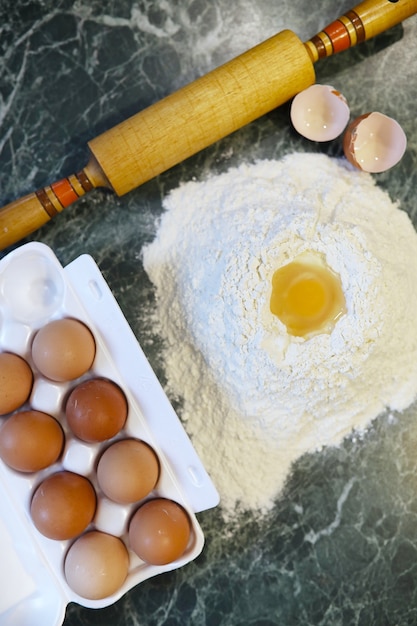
<point>374,142</point>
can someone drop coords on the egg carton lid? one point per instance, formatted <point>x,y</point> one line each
<point>29,590</point>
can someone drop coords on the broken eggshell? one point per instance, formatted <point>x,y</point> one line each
<point>374,142</point>
<point>320,113</point>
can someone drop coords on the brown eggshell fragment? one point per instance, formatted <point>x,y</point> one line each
<point>63,505</point>
<point>96,410</point>
<point>16,380</point>
<point>374,142</point>
<point>31,441</point>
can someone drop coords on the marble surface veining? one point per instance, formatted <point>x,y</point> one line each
<point>340,546</point>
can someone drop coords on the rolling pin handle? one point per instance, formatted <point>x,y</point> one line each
<point>364,21</point>
<point>25,215</point>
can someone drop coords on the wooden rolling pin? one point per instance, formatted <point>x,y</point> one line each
<point>201,113</point>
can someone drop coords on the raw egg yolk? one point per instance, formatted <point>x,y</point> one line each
<point>307,296</point>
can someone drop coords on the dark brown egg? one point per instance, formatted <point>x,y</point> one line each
<point>96,410</point>
<point>63,505</point>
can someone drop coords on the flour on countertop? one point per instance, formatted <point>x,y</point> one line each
<point>255,398</point>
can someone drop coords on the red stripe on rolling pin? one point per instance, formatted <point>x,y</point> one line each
<point>64,192</point>
<point>338,35</point>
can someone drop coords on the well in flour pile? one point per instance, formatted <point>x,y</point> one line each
<point>254,397</point>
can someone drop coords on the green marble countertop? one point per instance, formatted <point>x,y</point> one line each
<point>340,546</point>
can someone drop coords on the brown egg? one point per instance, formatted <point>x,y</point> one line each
<point>16,380</point>
<point>31,441</point>
<point>63,505</point>
<point>159,531</point>
<point>128,471</point>
<point>96,565</point>
<point>96,410</point>
<point>64,349</point>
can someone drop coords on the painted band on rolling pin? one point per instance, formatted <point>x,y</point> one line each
<point>61,194</point>
<point>344,33</point>
<point>366,20</point>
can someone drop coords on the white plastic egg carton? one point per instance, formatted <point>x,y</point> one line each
<point>35,289</point>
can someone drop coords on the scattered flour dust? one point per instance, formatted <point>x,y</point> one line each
<point>254,398</point>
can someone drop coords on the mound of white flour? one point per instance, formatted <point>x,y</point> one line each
<point>254,397</point>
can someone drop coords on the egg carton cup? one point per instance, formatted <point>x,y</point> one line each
<point>36,289</point>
